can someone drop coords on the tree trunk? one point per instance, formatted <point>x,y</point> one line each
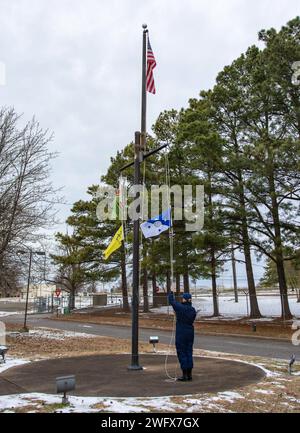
<point>72,299</point>
<point>154,285</point>
<point>124,281</point>
<point>145,278</point>
<point>186,282</point>
<point>235,286</point>
<point>216,312</point>
<point>177,284</point>
<point>213,261</point>
<point>285,308</point>
<point>145,290</point>
<point>254,308</point>
<point>168,282</point>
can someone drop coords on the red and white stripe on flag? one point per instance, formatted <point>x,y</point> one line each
<point>151,64</point>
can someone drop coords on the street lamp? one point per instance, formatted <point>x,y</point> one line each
<point>38,253</point>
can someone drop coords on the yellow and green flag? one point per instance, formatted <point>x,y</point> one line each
<point>115,243</point>
<point>116,207</point>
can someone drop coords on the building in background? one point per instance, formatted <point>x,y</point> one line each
<point>42,290</point>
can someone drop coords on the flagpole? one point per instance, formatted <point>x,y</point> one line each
<point>135,267</point>
<point>144,90</point>
<point>139,147</point>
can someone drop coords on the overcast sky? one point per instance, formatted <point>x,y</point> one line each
<point>76,66</point>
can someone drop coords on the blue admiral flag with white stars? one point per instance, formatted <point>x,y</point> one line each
<point>154,227</point>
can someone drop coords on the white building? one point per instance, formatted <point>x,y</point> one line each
<point>39,290</point>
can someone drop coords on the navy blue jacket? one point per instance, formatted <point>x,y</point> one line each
<point>185,315</point>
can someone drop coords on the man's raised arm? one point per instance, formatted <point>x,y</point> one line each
<point>176,305</point>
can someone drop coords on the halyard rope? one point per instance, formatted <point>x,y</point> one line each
<point>171,242</point>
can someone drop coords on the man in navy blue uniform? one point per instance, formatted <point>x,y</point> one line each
<point>185,315</point>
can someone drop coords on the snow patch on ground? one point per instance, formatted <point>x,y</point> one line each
<point>267,372</point>
<point>86,404</point>
<point>57,335</point>
<point>270,306</point>
<point>229,396</point>
<point>12,362</point>
<point>14,313</point>
<point>264,391</point>
<point>116,405</point>
<point>293,399</point>
<point>16,300</point>
<point>278,385</point>
<point>9,313</point>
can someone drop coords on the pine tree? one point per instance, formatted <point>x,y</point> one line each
<point>272,180</point>
<point>203,153</point>
<point>227,99</point>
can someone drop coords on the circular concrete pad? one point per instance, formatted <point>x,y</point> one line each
<point>107,376</point>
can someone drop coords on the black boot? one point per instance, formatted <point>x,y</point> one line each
<point>184,377</point>
<point>189,374</point>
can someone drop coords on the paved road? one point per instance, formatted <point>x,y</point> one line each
<point>225,344</point>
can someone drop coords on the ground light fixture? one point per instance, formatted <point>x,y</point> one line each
<point>3,351</point>
<point>65,384</point>
<point>291,363</point>
<point>154,340</point>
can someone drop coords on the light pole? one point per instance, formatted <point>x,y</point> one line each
<point>38,253</point>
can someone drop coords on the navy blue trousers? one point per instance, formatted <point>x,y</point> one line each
<point>184,347</point>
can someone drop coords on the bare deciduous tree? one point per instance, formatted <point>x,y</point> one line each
<point>27,197</point>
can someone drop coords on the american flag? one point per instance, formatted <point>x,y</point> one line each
<point>151,64</point>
